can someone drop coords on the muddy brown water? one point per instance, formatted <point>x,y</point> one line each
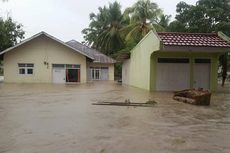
<point>45,118</point>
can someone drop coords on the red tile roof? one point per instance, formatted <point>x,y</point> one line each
<point>193,39</point>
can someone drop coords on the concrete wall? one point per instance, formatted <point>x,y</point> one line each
<point>192,56</point>
<point>110,66</point>
<point>140,70</point>
<point>38,51</point>
<point>136,70</point>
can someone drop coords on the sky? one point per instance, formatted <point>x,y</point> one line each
<point>65,19</point>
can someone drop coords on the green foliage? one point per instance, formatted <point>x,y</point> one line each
<point>118,71</point>
<point>205,16</point>
<point>10,33</point>
<point>113,31</point>
<point>144,16</point>
<point>103,32</point>
<point>176,26</point>
<point>164,21</point>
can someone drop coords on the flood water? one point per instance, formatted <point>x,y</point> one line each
<point>45,118</point>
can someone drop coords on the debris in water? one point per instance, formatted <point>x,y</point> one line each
<point>149,103</point>
<point>193,96</point>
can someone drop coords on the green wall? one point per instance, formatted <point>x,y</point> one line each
<point>140,70</point>
<point>214,65</point>
<point>136,70</point>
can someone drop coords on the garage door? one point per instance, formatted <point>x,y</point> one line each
<point>172,74</point>
<point>202,73</point>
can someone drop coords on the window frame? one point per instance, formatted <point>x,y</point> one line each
<point>26,67</point>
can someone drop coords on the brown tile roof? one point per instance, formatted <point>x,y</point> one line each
<point>98,56</point>
<point>193,39</point>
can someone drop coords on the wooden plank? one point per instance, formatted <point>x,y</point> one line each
<point>148,104</point>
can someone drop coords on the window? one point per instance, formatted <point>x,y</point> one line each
<point>200,60</point>
<point>70,66</point>
<point>29,71</point>
<point>173,60</point>
<point>21,71</point>
<point>26,68</point>
<point>59,65</point>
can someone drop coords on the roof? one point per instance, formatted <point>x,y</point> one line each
<point>193,39</point>
<point>93,54</point>
<point>191,42</point>
<point>97,55</point>
<point>49,36</point>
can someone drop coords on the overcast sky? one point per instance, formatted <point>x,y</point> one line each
<point>65,19</point>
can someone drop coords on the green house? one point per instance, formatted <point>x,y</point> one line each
<point>175,61</point>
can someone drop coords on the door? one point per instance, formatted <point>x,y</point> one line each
<point>59,75</point>
<point>104,73</point>
<point>95,74</point>
<point>172,74</point>
<point>202,73</point>
<point>72,75</point>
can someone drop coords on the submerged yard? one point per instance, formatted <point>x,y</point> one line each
<point>45,118</point>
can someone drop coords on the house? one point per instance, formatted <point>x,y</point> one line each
<point>46,59</point>
<point>175,61</point>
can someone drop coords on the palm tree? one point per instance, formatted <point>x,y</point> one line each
<point>144,16</point>
<point>164,21</point>
<point>103,32</point>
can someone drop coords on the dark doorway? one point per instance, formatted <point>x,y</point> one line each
<point>72,75</point>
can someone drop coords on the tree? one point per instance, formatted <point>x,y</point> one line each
<point>164,21</point>
<point>144,16</point>
<point>103,32</point>
<point>176,26</point>
<point>10,33</point>
<point>205,16</point>
<point>113,31</point>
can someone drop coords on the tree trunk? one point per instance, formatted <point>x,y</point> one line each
<point>224,64</point>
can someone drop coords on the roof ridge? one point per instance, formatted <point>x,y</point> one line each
<point>187,33</point>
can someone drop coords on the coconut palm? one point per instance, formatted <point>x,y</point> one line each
<point>144,15</point>
<point>164,21</point>
<point>103,32</point>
